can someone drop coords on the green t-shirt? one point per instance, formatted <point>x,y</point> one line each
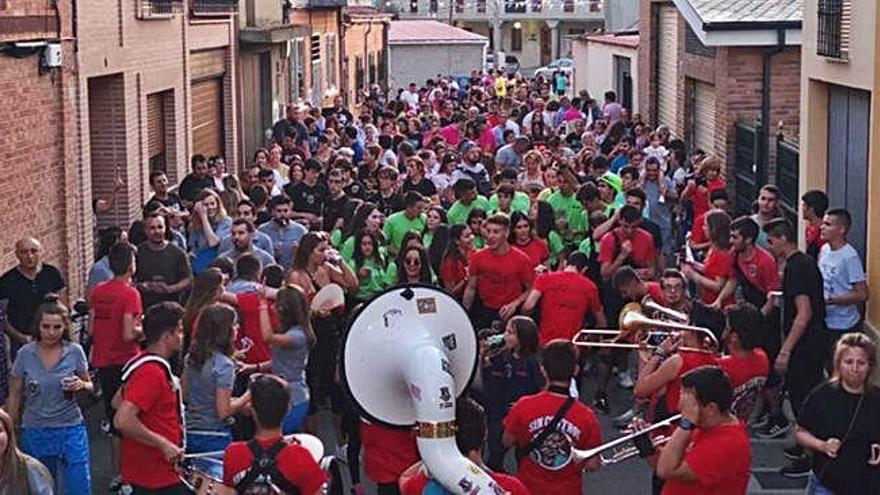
<point>520,202</point>
<point>336,238</point>
<point>556,245</point>
<point>398,224</point>
<point>570,208</point>
<point>374,283</point>
<point>459,212</point>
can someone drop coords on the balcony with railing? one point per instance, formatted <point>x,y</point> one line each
<point>159,9</point>
<point>505,9</point>
<point>213,8</point>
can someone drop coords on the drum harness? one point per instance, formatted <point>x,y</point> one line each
<point>265,466</point>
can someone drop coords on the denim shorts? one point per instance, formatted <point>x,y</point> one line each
<point>815,487</point>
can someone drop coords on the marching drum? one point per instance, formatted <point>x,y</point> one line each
<point>204,476</point>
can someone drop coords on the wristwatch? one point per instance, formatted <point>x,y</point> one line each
<point>686,424</point>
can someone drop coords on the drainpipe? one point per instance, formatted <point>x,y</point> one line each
<point>767,79</point>
<point>367,53</point>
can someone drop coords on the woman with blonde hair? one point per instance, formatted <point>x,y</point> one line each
<point>533,172</point>
<point>20,474</point>
<point>208,225</point>
<point>838,424</point>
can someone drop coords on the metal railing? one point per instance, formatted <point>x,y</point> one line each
<point>828,32</point>
<point>214,7</point>
<point>159,9</point>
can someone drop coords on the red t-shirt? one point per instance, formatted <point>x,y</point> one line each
<point>689,361</point>
<point>721,459</point>
<point>655,290</point>
<point>294,462</point>
<point>642,255</point>
<point>527,418</point>
<point>150,391</point>
<point>747,376</point>
<point>417,484</point>
<point>760,270</point>
<point>698,232</point>
<point>249,307</point>
<point>110,302</point>
<point>565,298</point>
<point>813,238</point>
<point>718,263</point>
<point>701,196</point>
<point>453,271</point>
<point>501,278</point>
<point>387,452</point>
<point>536,250</point>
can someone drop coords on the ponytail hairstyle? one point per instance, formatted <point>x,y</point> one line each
<point>293,311</point>
<point>52,306</point>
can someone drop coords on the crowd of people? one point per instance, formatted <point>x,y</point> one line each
<point>542,213</point>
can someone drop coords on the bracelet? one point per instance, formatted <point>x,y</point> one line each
<point>686,424</point>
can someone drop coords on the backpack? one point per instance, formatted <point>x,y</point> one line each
<point>264,477</point>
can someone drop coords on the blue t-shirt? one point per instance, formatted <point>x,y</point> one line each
<point>289,362</point>
<point>284,239</point>
<point>841,270</point>
<point>260,240</point>
<point>197,240</point>
<point>42,393</point>
<point>218,372</point>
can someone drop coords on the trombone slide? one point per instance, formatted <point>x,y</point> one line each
<point>581,455</point>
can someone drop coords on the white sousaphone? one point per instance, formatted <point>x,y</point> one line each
<point>407,355</point>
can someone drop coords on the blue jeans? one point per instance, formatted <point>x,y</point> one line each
<point>293,421</point>
<point>67,445</point>
<point>815,487</point>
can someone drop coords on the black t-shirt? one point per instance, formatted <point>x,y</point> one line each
<point>802,277</point>
<point>26,295</point>
<point>306,198</point>
<point>389,205</point>
<point>333,210</point>
<point>425,187</point>
<point>262,217</point>
<point>172,202</point>
<point>356,190</point>
<point>828,412</point>
<point>191,186</point>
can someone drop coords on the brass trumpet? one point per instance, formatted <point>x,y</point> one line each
<point>618,450</point>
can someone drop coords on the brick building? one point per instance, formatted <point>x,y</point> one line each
<point>321,61</point>
<point>713,70</point>
<point>364,51</point>
<point>140,86</point>
<point>42,191</point>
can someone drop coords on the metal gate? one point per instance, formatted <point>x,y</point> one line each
<point>787,176</point>
<point>745,168</point>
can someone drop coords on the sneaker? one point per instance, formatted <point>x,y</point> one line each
<point>601,403</point>
<point>760,422</point>
<point>774,429</point>
<point>624,419</point>
<point>798,468</point>
<point>624,380</point>
<point>793,452</point>
<point>115,484</point>
<point>342,453</point>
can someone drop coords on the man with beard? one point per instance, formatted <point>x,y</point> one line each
<point>163,270</point>
<point>245,210</point>
<point>159,184</point>
<point>194,182</point>
<point>471,167</point>
<point>284,232</point>
<point>242,240</point>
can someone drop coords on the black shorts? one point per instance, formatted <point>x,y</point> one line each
<point>110,378</point>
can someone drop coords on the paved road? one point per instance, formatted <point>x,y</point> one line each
<point>630,477</point>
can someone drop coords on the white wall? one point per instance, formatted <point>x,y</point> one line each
<point>594,68</point>
<point>418,63</point>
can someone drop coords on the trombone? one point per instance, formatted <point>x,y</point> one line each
<point>632,321</point>
<point>615,453</point>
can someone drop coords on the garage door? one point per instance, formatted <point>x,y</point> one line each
<point>207,68</point>
<point>156,131</point>
<point>704,117</point>
<point>667,67</point>
<point>207,117</point>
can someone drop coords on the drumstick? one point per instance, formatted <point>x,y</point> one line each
<point>206,455</point>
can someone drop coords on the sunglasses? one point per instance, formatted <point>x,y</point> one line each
<point>413,261</point>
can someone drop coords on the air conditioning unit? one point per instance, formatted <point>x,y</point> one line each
<point>52,55</point>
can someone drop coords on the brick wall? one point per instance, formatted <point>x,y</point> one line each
<point>320,21</point>
<point>41,186</point>
<point>361,38</point>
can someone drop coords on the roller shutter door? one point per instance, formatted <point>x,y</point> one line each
<point>667,67</point>
<point>207,68</point>
<point>156,131</point>
<point>704,117</point>
<point>207,117</point>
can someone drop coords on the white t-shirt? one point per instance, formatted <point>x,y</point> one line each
<point>841,269</point>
